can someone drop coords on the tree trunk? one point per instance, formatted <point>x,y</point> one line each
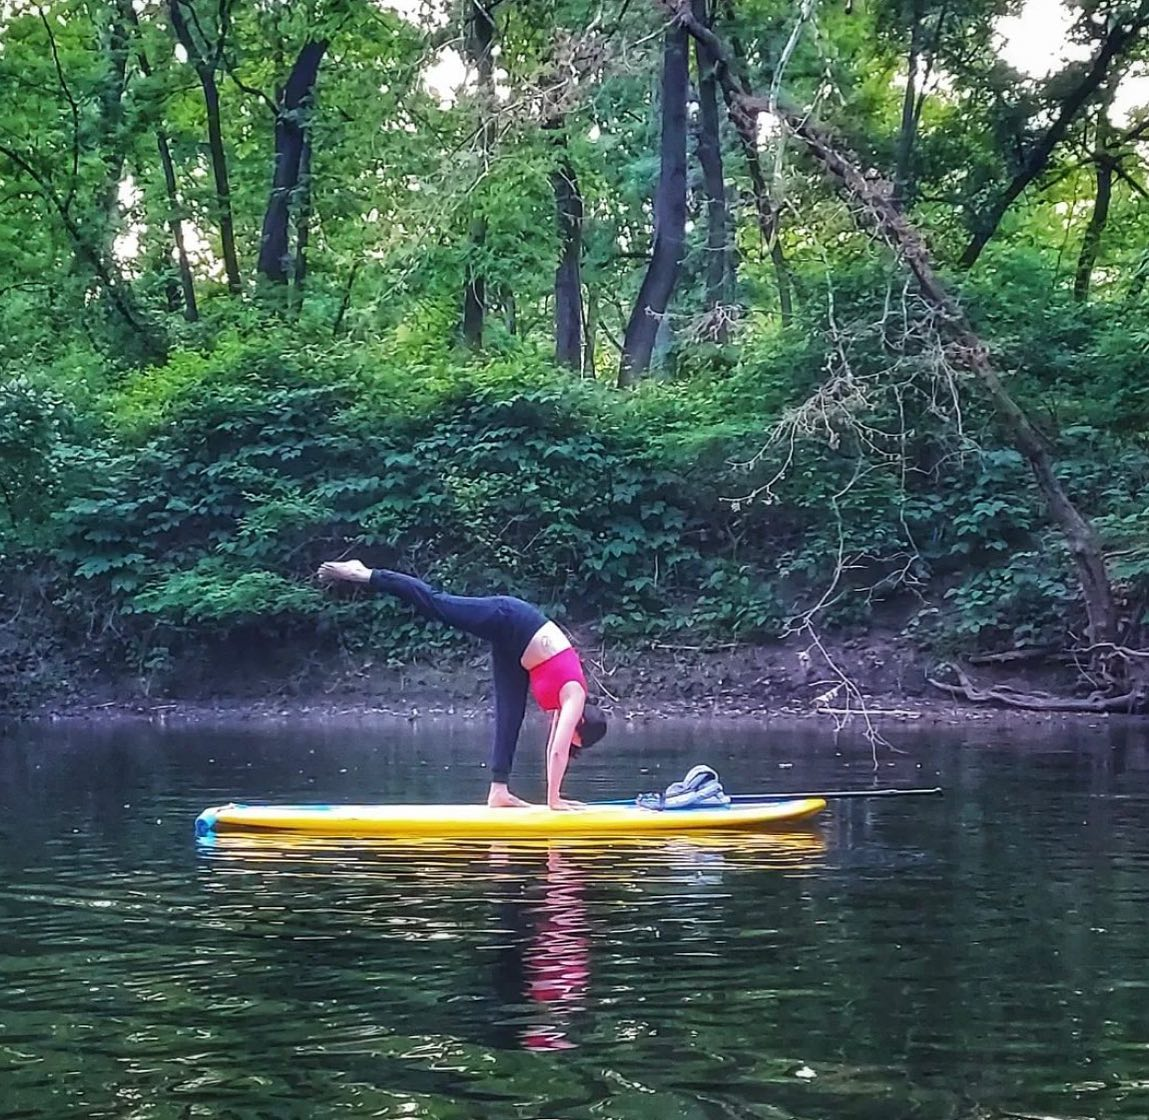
<point>292,138</point>
<point>1104,162</point>
<point>1121,35</point>
<point>907,133</point>
<point>175,224</point>
<point>205,69</point>
<point>568,275</point>
<point>475,289</point>
<point>510,308</point>
<point>719,260</point>
<point>878,212</point>
<point>477,43</point>
<point>167,164</point>
<point>222,185</point>
<point>302,225</point>
<point>590,346</point>
<point>765,207</point>
<point>345,300</point>
<point>669,214</point>
<point>114,48</point>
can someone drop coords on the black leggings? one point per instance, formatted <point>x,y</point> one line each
<point>507,623</point>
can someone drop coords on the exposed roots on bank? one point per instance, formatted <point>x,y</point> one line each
<point>1133,701</point>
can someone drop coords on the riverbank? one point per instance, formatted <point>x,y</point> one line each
<point>861,681</point>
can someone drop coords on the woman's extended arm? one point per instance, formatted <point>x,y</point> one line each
<point>573,698</point>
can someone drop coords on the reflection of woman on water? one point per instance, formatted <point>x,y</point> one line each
<point>558,960</point>
<point>546,965</point>
<point>528,653</point>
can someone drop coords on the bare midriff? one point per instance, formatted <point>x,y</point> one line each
<point>548,641</point>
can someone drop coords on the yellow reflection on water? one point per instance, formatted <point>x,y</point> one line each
<point>786,851</point>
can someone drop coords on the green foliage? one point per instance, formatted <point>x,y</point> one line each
<point>172,506</point>
<point>1021,604</point>
<point>33,421</point>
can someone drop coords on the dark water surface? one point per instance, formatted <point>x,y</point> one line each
<point>981,955</point>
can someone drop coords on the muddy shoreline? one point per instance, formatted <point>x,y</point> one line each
<point>207,713</point>
<point>783,684</point>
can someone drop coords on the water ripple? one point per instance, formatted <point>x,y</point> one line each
<point>979,957</point>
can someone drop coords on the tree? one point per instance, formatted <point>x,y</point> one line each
<point>289,185</point>
<point>568,274</point>
<point>205,55</point>
<point>167,164</point>
<point>478,42</point>
<point>1121,30</point>
<point>669,213</point>
<point>719,269</point>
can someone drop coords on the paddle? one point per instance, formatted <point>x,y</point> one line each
<point>837,794</point>
<point>825,795</point>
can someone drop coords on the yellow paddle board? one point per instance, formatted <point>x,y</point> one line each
<point>481,822</point>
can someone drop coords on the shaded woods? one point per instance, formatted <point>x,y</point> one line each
<point>701,323</point>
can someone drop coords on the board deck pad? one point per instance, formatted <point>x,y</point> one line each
<point>481,821</point>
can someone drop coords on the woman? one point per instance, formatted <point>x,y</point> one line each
<point>527,651</point>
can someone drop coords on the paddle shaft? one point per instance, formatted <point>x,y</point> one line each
<point>825,795</point>
<point>838,794</point>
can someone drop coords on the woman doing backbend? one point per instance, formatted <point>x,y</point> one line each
<point>528,652</point>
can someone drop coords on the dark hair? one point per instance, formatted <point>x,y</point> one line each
<point>591,728</point>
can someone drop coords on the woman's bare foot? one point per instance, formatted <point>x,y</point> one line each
<point>501,798</point>
<point>345,571</point>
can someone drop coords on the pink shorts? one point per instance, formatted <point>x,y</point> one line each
<point>548,678</point>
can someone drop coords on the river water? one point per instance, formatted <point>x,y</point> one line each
<point>984,954</point>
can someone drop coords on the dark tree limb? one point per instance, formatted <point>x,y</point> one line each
<point>292,138</point>
<point>1105,164</point>
<point>669,214</point>
<point>1129,181</point>
<point>206,64</point>
<point>74,110</point>
<point>167,164</point>
<point>719,259</point>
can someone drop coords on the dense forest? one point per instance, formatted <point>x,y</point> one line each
<point>695,321</point>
